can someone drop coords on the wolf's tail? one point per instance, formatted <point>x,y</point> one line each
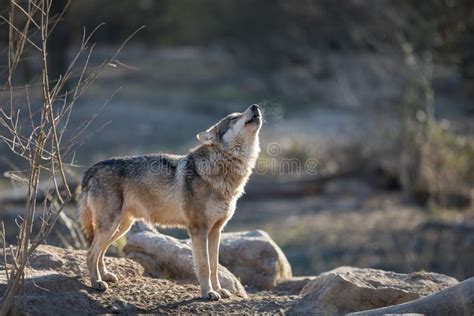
<point>85,218</point>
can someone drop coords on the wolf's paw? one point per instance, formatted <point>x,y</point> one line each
<point>109,277</point>
<point>224,293</point>
<point>100,285</point>
<point>212,296</point>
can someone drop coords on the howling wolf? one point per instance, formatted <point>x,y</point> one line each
<point>197,191</point>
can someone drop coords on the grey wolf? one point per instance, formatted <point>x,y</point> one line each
<point>197,191</point>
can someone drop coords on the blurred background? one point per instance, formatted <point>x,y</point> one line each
<point>368,146</point>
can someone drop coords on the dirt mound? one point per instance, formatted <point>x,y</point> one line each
<point>58,284</point>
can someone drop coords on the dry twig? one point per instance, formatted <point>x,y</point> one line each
<point>41,145</point>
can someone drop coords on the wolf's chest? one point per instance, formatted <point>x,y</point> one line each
<point>217,210</point>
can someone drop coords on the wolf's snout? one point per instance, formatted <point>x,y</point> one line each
<point>253,115</point>
<point>253,109</point>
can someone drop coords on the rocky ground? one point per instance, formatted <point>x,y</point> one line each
<point>57,284</point>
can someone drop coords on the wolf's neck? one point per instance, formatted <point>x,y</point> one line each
<point>226,170</point>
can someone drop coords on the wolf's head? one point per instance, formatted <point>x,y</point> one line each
<point>236,130</point>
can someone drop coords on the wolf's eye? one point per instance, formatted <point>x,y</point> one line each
<point>233,119</point>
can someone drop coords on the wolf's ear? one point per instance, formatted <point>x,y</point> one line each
<point>206,137</point>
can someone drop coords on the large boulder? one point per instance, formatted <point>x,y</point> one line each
<point>254,258</point>
<point>167,257</point>
<point>346,289</point>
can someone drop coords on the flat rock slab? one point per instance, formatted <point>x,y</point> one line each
<point>346,289</point>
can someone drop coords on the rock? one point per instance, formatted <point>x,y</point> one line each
<point>346,289</point>
<point>42,260</point>
<point>254,258</point>
<point>168,257</point>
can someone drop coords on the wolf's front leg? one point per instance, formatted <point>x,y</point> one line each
<point>214,240</point>
<point>201,258</point>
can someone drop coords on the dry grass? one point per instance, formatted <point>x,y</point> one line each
<point>446,168</point>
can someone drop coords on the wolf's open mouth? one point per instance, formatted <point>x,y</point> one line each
<point>254,119</point>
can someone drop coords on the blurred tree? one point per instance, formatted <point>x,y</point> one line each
<point>265,35</point>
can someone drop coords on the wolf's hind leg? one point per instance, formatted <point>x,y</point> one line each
<point>122,229</point>
<point>214,240</point>
<point>99,244</point>
<point>100,239</point>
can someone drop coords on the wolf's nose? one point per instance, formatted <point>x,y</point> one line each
<point>254,107</point>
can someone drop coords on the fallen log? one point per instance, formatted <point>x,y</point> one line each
<point>455,300</point>
<point>17,196</point>
<point>439,226</point>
